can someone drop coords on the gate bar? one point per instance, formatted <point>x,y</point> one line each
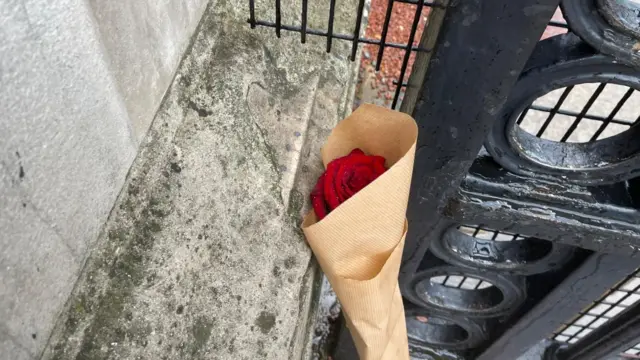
<point>481,48</point>
<point>598,274</point>
<point>610,339</point>
<point>600,226</point>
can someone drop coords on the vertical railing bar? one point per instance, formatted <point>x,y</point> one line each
<point>523,115</point>
<point>332,10</point>
<point>586,108</point>
<point>356,32</point>
<point>252,13</point>
<point>612,114</point>
<point>477,230</point>
<point>446,278</point>
<point>407,52</point>
<point>495,235</point>
<point>383,37</point>
<point>278,18</point>
<point>303,31</point>
<point>554,110</point>
<point>477,285</point>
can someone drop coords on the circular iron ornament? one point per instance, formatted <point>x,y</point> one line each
<point>504,295</point>
<point>559,62</point>
<point>611,26</point>
<point>522,257</point>
<point>427,331</point>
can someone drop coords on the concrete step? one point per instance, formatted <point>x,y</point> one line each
<point>202,256</point>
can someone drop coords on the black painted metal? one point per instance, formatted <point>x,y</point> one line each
<point>457,104</point>
<point>613,338</point>
<point>336,36</point>
<point>442,330</point>
<point>252,13</point>
<point>592,21</point>
<point>607,219</point>
<point>329,34</point>
<point>303,31</point>
<point>383,36</point>
<point>356,32</point>
<point>278,24</point>
<point>564,61</point>
<point>503,297</point>
<point>594,277</point>
<point>525,256</point>
<point>407,53</point>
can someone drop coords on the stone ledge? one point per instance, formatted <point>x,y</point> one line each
<point>202,256</point>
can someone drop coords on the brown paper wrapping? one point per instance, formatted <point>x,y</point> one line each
<point>359,244</point>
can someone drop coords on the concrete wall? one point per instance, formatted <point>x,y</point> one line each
<point>80,82</point>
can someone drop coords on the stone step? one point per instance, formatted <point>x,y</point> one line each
<point>202,256</point>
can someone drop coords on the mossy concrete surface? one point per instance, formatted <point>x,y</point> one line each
<point>202,256</point>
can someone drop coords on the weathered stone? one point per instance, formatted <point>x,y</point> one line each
<point>72,117</point>
<point>202,257</point>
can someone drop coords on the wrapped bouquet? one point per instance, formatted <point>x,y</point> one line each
<point>358,224</point>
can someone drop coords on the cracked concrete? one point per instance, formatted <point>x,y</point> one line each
<point>202,256</point>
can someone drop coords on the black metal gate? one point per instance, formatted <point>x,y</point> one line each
<point>525,222</point>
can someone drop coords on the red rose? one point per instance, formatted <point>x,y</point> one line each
<point>344,177</point>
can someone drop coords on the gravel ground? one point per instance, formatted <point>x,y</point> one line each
<point>377,87</point>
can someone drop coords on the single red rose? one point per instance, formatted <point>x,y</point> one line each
<point>343,178</point>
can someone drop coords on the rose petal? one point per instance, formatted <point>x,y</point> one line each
<point>317,198</point>
<point>362,176</point>
<point>343,178</point>
<point>330,193</point>
<point>378,165</point>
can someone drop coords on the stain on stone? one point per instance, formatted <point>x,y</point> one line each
<point>133,190</point>
<point>296,202</point>
<point>185,80</point>
<point>276,271</point>
<point>265,322</point>
<point>21,172</point>
<point>201,331</point>
<point>201,112</point>
<point>290,262</point>
<point>180,310</point>
<point>261,351</point>
<point>34,336</point>
<point>24,205</point>
<point>175,167</point>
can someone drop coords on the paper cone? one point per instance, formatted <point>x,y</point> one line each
<point>359,244</point>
